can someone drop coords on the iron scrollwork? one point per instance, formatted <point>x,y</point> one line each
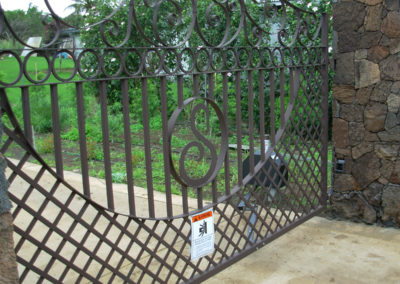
<point>181,175</point>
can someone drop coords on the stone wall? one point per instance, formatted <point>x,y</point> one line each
<point>366,116</point>
<point>8,265</point>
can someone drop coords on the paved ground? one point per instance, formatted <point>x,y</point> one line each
<point>322,251</point>
<point>319,251</point>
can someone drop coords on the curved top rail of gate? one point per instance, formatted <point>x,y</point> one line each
<point>211,52</point>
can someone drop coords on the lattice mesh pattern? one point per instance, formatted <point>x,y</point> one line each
<point>63,237</point>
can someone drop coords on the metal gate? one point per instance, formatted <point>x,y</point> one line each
<point>222,105</point>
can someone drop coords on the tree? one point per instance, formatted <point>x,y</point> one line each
<point>81,7</point>
<point>20,21</point>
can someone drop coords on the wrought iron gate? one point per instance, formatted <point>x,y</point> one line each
<point>211,79</point>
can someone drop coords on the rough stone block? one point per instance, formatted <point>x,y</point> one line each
<point>387,151</point>
<point>391,24</point>
<point>348,41</point>
<point>352,206</point>
<point>360,149</point>
<point>385,41</point>
<point>373,18</point>
<point>383,180</point>
<point>392,5</point>
<point>373,193</point>
<point>377,53</point>
<point>390,68</point>
<point>395,177</point>
<point>395,87</point>
<point>8,265</point>
<point>390,135</point>
<point>367,73</point>
<point>386,169</point>
<point>356,133</point>
<point>375,116</point>
<point>371,2</point>
<point>366,169</point>
<point>5,204</point>
<point>341,153</point>
<point>394,46</point>
<point>340,133</point>
<point>352,112</point>
<point>362,95</point>
<point>391,120</point>
<point>391,203</point>
<point>393,102</point>
<point>381,91</point>
<point>360,54</point>
<point>348,16</point>
<point>344,69</point>
<point>371,137</point>
<point>344,93</point>
<point>369,39</point>
<point>345,182</point>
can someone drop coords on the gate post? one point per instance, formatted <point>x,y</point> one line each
<point>325,107</point>
<point>8,264</point>
<point>366,112</point>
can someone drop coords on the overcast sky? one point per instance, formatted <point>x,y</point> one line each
<point>57,5</point>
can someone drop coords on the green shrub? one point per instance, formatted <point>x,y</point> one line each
<point>46,144</point>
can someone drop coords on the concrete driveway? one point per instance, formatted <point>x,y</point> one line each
<point>322,251</point>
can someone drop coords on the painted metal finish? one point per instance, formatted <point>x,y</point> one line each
<point>242,87</point>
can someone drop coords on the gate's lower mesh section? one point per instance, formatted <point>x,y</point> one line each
<point>63,237</point>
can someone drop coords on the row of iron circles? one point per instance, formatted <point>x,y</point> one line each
<point>155,61</point>
<point>31,68</point>
<point>113,62</point>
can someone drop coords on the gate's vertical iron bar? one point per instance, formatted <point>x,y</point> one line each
<point>261,112</point>
<point>147,150</point>
<point>180,105</point>
<point>251,122</point>
<point>128,146</point>
<point>199,197</point>
<point>180,90</point>
<point>196,94</point>
<point>238,126</point>
<point>185,199</point>
<point>195,85</point>
<point>82,138</point>
<point>225,112</point>
<point>26,112</point>
<point>282,95</point>
<point>166,146</point>
<point>325,108</point>
<point>210,80</point>
<point>211,86</point>
<point>106,144</point>
<point>55,113</point>
<point>272,106</point>
<point>291,83</point>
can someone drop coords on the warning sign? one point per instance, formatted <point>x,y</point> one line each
<point>202,234</point>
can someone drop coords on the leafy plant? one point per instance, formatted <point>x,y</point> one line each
<point>46,144</point>
<point>93,153</point>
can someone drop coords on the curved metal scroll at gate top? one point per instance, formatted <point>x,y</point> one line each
<point>196,86</point>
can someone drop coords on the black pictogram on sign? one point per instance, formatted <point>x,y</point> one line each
<point>203,229</point>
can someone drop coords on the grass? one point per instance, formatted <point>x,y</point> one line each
<point>34,67</point>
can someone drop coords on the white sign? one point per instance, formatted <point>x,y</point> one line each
<point>202,234</point>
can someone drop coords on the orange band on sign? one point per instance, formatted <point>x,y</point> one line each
<point>200,217</point>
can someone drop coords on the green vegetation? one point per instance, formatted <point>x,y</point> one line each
<point>41,113</point>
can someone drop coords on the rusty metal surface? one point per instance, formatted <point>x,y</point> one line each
<point>253,82</point>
